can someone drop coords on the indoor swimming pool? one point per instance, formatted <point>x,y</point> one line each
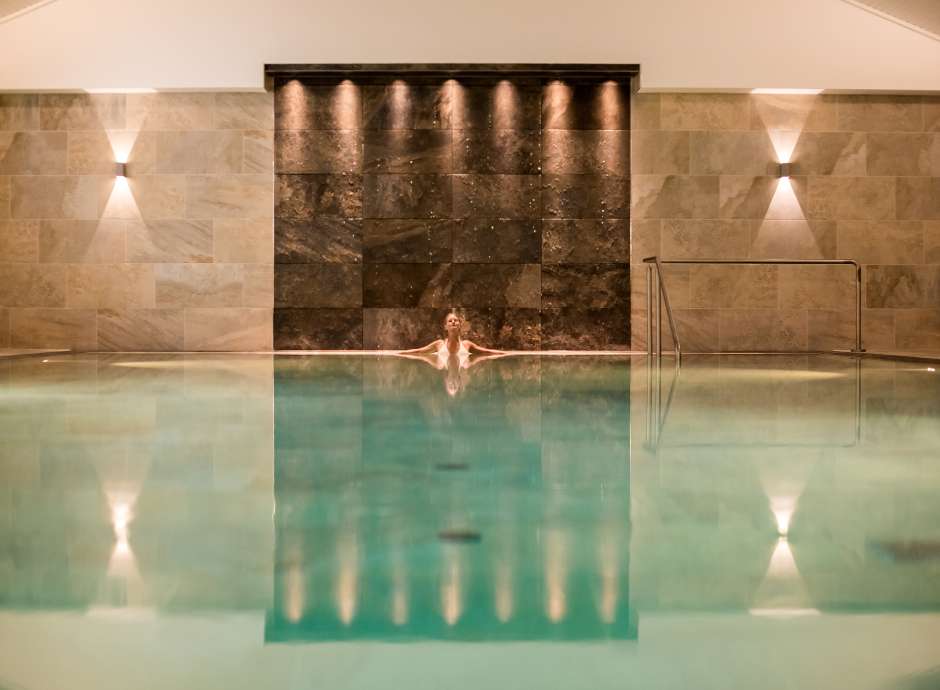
<point>360,522</point>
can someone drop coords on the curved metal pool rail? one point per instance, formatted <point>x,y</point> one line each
<point>663,297</point>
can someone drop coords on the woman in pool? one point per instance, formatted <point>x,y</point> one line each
<point>452,353</point>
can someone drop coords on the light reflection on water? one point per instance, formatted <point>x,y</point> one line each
<point>692,528</point>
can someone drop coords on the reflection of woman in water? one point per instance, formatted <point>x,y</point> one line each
<point>452,353</point>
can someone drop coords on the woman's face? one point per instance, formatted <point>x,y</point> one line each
<point>452,324</point>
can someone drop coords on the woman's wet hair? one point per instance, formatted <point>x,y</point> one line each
<point>452,312</point>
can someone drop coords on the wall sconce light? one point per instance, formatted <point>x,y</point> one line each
<point>120,169</point>
<point>784,170</point>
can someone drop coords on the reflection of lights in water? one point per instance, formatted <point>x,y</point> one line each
<point>452,587</point>
<point>295,592</point>
<point>503,593</point>
<point>783,516</point>
<point>123,564</point>
<point>347,580</point>
<point>556,567</point>
<point>399,593</point>
<point>609,567</point>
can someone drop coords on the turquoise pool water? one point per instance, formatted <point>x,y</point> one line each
<point>221,521</point>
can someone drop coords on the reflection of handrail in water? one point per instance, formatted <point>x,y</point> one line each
<point>656,417</point>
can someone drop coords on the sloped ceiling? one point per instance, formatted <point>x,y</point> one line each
<point>13,8</point>
<point>920,15</point>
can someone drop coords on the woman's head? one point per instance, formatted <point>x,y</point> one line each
<point>452,323</point>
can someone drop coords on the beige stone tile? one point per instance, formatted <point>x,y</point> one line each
<point>54,328</point>
<point>678,279</point>
<point>32,285</point>
<point>645,111</point>
<point>243,241</point>
<point>244,111</point>
<point>110,286</point>
<point>831,329</point>
<point>644,239</point>
<point>877,328</point>
<point>5,194</point>
<point>229,329</point>
<point>217,152</point>
<point>746,330</point>
<point>704,111</point>
<point>4,327</point>
<point>831,153</point>
<point>732,286</point>
<point>90,153</point>
<point>882,242</point>
<point>793,239</point>
<point>899,153</point>
<point>159,196</point>
<point>54,196</point>
<point>705,239</point>
<point>880,114</point>
<point>82,111</point>
<point>931,113</point>
<point>902,287</point>
<point>259,152</point>
<point>116,199</point>
<point>698,330</point>
<point>659,153</point>
<point>794,112</point>
<point>231,196</point>
<point>19,112</point>
<point>917,329</point>
<point>918,198</point>
<point>258,288</point>
<point>19,241</point>
<point>674,196</point>
<point>140,150</point>
<point>33,153</point>
<point>756,198</point>
<point>933,156</point>
<point>816,287</point>
<point>169,241</point>
<point>199,285</point>
<point>932,241</point>
<point>81,241</point>
<point>850,198</point>
<point>732,153</point>
<point>140,330</point>
<point>170,111</point>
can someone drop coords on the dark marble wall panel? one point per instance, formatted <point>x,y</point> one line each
<point>506,200</point>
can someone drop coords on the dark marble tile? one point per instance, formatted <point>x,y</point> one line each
<point>508,151</point>
<point>394,328</point>
<point>604,152</point>
<point>505,105</point>
<point>496,196</point>
<point>305,106</point>
<point>482,240</point>
<point>585,106</point>
<point>502,328</point>
<point>318,329</point>
<point>407,106</point>
<point>407,285</point>
<point>324,239</point>
<point>497,285</point>
<point>408,151</point>
<point>585,329</point>
<point>592,286</point>
<point>407,196</point>
<point>318,151</point>
<point>408,241</point>
<point>308,196</point>
<point>585,241</point>
<point>585,196</point>
<point>318,285</point>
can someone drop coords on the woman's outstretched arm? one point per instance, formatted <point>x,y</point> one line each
<point>430,347</point>
<point>475,349</point>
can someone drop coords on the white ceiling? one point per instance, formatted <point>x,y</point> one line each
<point>9,9</point>
<point>920,15</point>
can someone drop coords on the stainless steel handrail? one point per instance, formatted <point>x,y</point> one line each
<point>663,297</point>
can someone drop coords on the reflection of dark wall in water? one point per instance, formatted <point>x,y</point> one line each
<point>532,454</point>
<point>401,196</point>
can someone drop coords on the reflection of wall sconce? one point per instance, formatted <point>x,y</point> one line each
<point>120,169</point>
<point>784,170</point>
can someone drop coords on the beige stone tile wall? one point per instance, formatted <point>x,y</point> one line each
<point>177,257</point>
<point>865,185</point>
